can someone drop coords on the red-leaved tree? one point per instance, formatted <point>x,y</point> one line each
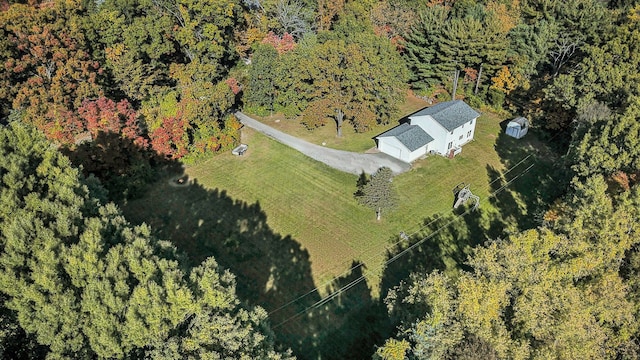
<point>171,137</point>
<point>281,44</point>
<point>234,85</point>
<point>46,68</point>
<point>106,115</point>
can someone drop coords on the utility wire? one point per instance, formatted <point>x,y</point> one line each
<point>412,233</point>
<point>386,247</point>
<point>396,257</point>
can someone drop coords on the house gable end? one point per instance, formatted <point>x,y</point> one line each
<point>450,114</point>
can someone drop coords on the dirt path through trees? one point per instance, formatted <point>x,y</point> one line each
<point>350,162</point>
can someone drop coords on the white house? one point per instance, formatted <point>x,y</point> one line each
<point>518,127</point>
<point>441,129</point>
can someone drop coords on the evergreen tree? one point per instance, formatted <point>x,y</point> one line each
<point>15,343</point>
<point>378,193</point>
<point>87,284</point>
<point>420,53</point>
<point>446,41</point>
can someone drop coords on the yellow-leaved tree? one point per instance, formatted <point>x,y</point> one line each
<point>562,292</point>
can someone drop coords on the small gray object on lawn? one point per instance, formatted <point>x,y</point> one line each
<point>240,149</point>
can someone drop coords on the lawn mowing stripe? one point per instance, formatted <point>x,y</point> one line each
<point>321,186</point>
<point>355,228</point>
<point>362,277</point>
<point>468,165</point>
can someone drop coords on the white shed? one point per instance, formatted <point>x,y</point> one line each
<point>518,127</point>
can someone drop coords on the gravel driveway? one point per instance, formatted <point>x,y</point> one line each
<point>346,161</point>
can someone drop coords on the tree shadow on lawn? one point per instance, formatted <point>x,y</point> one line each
<point>443,244</point>
<point>538,173</point>
<point>273,271</point>
<point>348,323</point>
<point>445,241</point>
<point>124,168</point>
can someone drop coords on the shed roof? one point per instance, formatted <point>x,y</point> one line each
<point>411,136</point>
<point>450,114</point>
<point>523,122</point>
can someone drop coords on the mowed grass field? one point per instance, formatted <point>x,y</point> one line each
<point>302,198</point>
<point>286,224</point>
<point>314,204</point>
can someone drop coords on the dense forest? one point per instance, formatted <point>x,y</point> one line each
<point>98,97</point>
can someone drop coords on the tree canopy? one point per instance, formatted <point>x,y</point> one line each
<point>86,283</point>
<point>558,291</point>
<point>120,86</point>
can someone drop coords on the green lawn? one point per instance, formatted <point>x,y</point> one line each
<point>313,204</point>
<point>302,198</point>
<point>284,224</point>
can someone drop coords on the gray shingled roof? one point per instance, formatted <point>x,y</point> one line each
<point>411,136</point>
<point>450,114</point>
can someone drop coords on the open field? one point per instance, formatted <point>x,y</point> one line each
<point>285,224</point>
<point>313,204</point>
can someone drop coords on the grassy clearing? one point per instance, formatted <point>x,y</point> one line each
<point>302,198</point>
<point>284,224</point>
<point>313,204</point>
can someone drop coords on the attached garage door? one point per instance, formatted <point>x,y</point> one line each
<point>393,151</point>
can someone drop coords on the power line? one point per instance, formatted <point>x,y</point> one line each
<point>366,250</point>
<point>386,247</point>
<point>396,257</point>
<point>414,232</point>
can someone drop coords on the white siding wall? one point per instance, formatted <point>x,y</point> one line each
<point>442,137</point>
<point>461,135</point>
<point>435,130</point>
<point>391,146</point>
<point>417,153</point>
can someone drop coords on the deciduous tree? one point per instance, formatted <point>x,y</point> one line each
<point>358,80</point>
<point>328,10</point>
<point>609,144</point>
<point>47,69</point>
<point>203,30</point>
<point>170,138</point>
<point>542,293</point>
<point>105,115</point>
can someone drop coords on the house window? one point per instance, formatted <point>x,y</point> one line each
<point>461,136</point>
<point>450,145</point>
<point>471,122</point>
<point>469,133</point>
<point>451,133</point>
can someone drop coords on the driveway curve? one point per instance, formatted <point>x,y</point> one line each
<point>350,162</point>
